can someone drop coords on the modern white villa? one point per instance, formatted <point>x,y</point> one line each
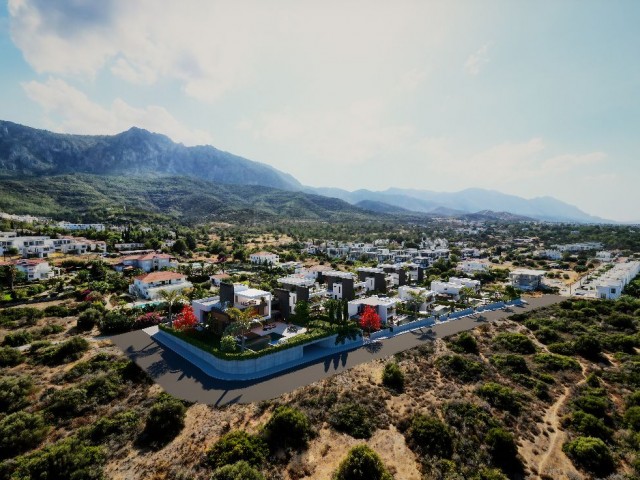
<point>34,268</point>
<point>611,284</point>
<point>385,307</point>
<point>406,292</point>
<point>149,285</point>
<point>454,286</point>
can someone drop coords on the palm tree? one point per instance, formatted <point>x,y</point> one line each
<point>171,297</point>
<point>466,293</point>
<point>241,322</point>
<point>418,297</point>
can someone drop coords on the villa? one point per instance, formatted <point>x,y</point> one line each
<point>147,262</point>
<point>526,279</point>
<point>264,258</point>
<point>385,307</point>
<point>405,293</point>
<point>149,285</point>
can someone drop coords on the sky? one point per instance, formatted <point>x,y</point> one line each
<point>531,98</point>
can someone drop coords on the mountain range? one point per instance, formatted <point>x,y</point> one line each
<point>37,161</point>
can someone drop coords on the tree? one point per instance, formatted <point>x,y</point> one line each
<point>511,293</point>
<point>345,311</point>
<point>171,297</point>
<point>466,293</point>
<point>430,436</point>
<point>228,344</point>
<point>186,319</point>
<point>303,313</point>
<point>179,247</point>
<point>241,322</point>
<point>288,427</point>
<point>416,298</point>
<point>237,471</point>
<point>392,377</point>
<point>362,463</point>
<point>369,319</point>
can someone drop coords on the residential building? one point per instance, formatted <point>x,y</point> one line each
<point>385,307</point>
<point>604,256</point>
<point>264,258</point>
<point>128,246</point>
<point>611,284</point>
<point>213,310</point>
<point>149,285</point>
<point>35,269</point>
<point>147,262</point>
<point>526,279</point>
<point>405,293</point>
<point>454,286</point>
<point>472,266</point>
<point>98,227</point>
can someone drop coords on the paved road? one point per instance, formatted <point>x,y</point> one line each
<point>182,379</point>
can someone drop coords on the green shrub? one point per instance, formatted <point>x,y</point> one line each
<point>490,474</point>
<point>619,342</point>
<point>50,329</point>
<point>88,319</point>
<point>104,388</point>
<point>60,353</point>
<point>500,396</point>
<point>238,446</point>
<point>547,335</point>
<point>460,367</point>
<point>68,458</point>
<point>555,363</point>
<point>118,425</point>
<point>633,400</point>
<point>14,392</point>
<point>594,404</point>
<point>515,343</point>
<point>392,377</point>
<point>429,436</point>
<point>59,311</point>
<point>165,421</point>
<point>465,343</point>
<point>17,339</point>
<point>21,431</point>
<point>287,428</point>
<point>562,348</point>
<point>632,418</point>
<point>589,425</point>
<point>228,344</point>
<point>67,403</point>
<point>510,364</point>
<point>238,471</point>
<point>362,463</point>
<point>590,454</point>
<point>115,322</point>
<point>352,419</point>
<point>10,357</point>
<point>588,346</point>
<point>502,447</point>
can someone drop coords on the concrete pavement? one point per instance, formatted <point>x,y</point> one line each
<point>182,379</point>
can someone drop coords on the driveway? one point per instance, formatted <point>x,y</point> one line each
<point>183,380</point>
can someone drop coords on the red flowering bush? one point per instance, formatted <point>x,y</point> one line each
<point>186,319</point>
<point>369,319</point>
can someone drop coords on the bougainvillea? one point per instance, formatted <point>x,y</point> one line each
<point>369,319</point>
<point>186,319</point>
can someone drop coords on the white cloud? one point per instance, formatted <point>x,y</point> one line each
<point>70,110</point>
<point>477,60</point>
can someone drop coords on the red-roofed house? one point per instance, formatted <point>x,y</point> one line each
<point>35,269</point>
<point>147,262</point>
<point>149,285</point>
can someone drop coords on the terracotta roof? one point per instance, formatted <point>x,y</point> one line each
<point>147,256</point>
<point>159,276</point>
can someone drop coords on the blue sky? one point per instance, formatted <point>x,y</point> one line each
<point>529,98</point>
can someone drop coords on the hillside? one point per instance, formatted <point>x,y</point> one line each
<point>26,151</point>
<point>92,197</point>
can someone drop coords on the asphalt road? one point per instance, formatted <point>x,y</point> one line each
<point>183,380</point>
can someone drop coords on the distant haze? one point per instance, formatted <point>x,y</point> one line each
<point>532,99</point>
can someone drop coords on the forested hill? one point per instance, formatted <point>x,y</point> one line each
<point>99,198</point>
<point>26,151</point>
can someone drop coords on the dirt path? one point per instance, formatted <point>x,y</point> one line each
<point>544,452</point>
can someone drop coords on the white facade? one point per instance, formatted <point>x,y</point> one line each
<point>454,286</point>
<point>604,256</point>
<point>98,227</point>
<point>405,291</point>
<point>385,307</point>
<point>35,269</point>
<point>150,285</point>
<point>43,246</point>
<point>611,284</point>
<point>148,262</point>
<point>262,258</point>
<point>470,266</point>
